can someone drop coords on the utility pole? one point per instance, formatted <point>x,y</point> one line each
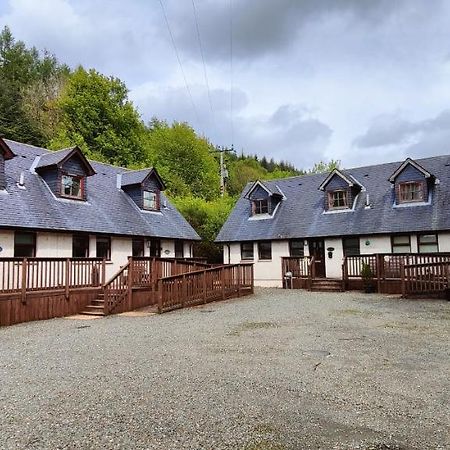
<point>223,169</point>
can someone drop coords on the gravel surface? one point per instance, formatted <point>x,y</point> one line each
<point>279,370</point>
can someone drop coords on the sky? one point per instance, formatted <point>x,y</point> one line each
<point>360,81</point>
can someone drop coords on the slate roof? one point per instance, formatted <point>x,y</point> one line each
<point>301,213</point>
<point>135,176</point>
<point>108,209</point>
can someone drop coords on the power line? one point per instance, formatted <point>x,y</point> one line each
<point>179,61</point>
<point>203,61</point>
<point>231,74</point>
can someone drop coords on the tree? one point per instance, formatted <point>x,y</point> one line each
<point>323,167</point>
<point>97,115</point>
<point>183,159</point>
<point>20,68</point>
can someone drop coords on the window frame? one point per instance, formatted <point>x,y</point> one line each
<point>408,246</point>
<point>419,244</point>
<point>301,243</point>
<point>157,246</point>
<point>345,249</point>
<point>155,200</point>
<point>84,237</point>
<point>22,246</point>
<point>108,252</point>
<point>402,195</point>
<point>80,178</point>
<point>261,251</point>
<point>247,258</point>
<point>331,199</point>
<point>259,205</point>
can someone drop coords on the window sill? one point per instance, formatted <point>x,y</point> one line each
<point>338,211</point>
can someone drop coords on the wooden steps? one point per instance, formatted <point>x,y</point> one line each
<point>326,285</point>
<point>96,307</point>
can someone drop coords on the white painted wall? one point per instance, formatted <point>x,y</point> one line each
<point>444,242</point>
<point>53,245</point>
<point>167,246</point>
<point>376,244</point>
<point>7,243</point>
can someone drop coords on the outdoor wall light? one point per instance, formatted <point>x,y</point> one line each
<point>330,251</point>
<point>367,242</point>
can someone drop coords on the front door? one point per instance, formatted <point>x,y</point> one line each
<point>317,249</point>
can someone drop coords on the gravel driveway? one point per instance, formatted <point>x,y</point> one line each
<point>279,370</point>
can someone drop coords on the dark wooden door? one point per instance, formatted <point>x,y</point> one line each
<point>317,249</point>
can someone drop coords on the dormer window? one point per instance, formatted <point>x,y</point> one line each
<point>72,186</point>
<point>150,200</point>
<point>411,192</point>
<point>261,206</point>
<point>338,199</point>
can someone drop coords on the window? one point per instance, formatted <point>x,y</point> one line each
<point>265,250</point>
<point>337,199</point>
<point>297,248</point>
<point>155,248</point>
<point>261,206</point>
<point>104,247</point>
<point>80,246</point>
<point>401,244</point>
<point>427,243</point>
<point>150,200</point>
<point>411,192</point>
<point>24,244</point>
<point>179,249</point>
<point>351,246</point>
<point>247,250</point>
<point>72,186</point>
<point>138,247</point>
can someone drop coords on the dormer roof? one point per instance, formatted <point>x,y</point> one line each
<point>133,177</point>
<point>59,157</point>
<point>6,151</point>
<point>349,179</point>
<point>409,161</point>
<point>271,190</point>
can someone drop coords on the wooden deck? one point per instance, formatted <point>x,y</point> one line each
<point>44,288</point>
<point>410,274</point>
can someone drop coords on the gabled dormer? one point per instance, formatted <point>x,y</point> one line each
<point>5,154</point>
<point>144,188</point>
<point>65,172</point>
<point>340,190</point>
<point>264,200</point>
<point>412,183</point>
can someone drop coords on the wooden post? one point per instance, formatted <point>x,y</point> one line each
<point>160,295</point>
<point>239,278</point>
<point>222,280</point>
<point>402,274</point>
<point>380,271</point>
<point>103,281</point>
<point>205,294</point>
<point>183,290</point>
<point>24,280</point>
<point>67,284</point>
<point>130,281</point>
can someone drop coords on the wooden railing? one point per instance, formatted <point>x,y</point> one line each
<point>297,266</point>
<point>117,289</point>
<point>425,278</point>
<point>36,274</point>
<point>203,286</point>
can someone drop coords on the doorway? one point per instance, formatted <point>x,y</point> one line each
<point>317,249</point>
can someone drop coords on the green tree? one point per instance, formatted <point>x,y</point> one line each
<point>323,167</point>
<point>20,68</point>
<point>183,159</point>
<point>97,115</point>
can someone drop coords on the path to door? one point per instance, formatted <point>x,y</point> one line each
<point>278,370</point>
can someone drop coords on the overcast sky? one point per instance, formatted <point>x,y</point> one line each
<point>362,81</point>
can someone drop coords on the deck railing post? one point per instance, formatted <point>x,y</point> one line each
<point>160,295</point>
<point>103,279</point>
<point>130,280</point>
<point>67,284</point>
<point>403,275</point>
<point>205,294</point>
<point>24,280</point>
<point>183,290</point>
<point>380,270</point>
<point>222,278</point>
<point>240,267</point>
